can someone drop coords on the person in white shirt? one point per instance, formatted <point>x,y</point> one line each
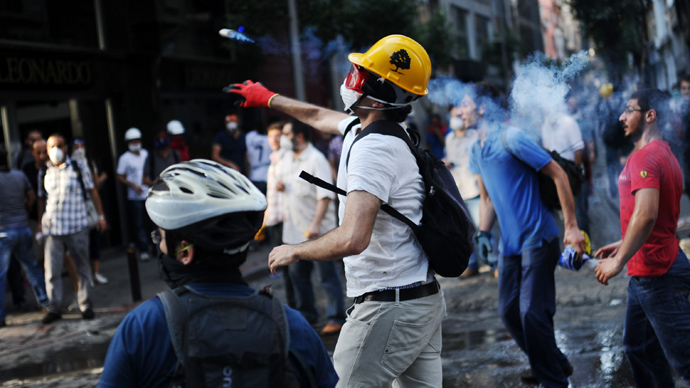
<point>259,158</point>
<point>458,140</point>
<point>393,330</point>
<point>561,133</point>
<point>308,213</point>
<point>130,172</point>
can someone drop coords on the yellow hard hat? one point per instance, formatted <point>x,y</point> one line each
<point>606,90</point>
<point>399,60</point>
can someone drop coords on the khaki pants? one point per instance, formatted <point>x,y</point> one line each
<point>399,343</point>
<point>78,246</point>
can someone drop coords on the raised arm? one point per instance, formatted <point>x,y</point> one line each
<point>256,95</point>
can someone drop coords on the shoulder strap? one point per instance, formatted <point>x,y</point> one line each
<point>350,126</point>
<point>176,318</point>
<point>76,168</point>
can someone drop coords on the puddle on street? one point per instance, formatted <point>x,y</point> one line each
<point>490,358</point>
<point>62,361</point>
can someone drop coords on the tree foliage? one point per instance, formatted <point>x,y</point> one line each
<point>616,29</point>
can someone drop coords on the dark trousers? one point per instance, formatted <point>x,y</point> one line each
<point>138,225</point>
<point>527,303</point>
<point>657,326</point>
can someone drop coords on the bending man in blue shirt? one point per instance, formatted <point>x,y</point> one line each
<point>509,191</point>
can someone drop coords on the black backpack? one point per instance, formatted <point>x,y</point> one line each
<point>231,341</point>
<point>547,187</point>
<point>446,231</point>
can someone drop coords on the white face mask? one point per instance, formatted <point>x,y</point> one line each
<point>79,154</point>
<point>56,155</point>
<point>456,123</point>
<point>135,147</point>
<point>349,97</point>
<point>285,144</point>
<point>231,126</point>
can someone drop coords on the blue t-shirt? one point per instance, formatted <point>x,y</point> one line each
<point>232,149</point>
<point>514,188</point>
<point>141,353</point>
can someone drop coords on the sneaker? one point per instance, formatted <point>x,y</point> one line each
<point>100,279</point>
<point>50,318</point>
<point>469,272</point>
<point>331,328</point>
<point>74,306</point>
<point>88,314</point>
<point>529,378</point>
<point>144,256</point>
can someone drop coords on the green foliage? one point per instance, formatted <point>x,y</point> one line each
<point>439,39</point>
<point>616,30</point>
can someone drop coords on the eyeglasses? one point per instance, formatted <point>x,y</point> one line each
<point>356,78</point>
<point>628,110</point>
<point>156,236</point>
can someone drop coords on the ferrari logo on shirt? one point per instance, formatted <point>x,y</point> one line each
<point>643,174</point>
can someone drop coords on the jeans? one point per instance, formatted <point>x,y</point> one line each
<point>527,303</point>
<point>20,240</point>
<point>657,326</point>
<point>138,230</point>
<point>300,274</point>
<point>398,343</point>
<point>78,246</point>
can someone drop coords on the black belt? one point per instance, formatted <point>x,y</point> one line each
<point>405,293</point>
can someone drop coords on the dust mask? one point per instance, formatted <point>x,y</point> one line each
<point>285,144</point>
<point>56,155</point>
<point>231,126</point>
<point>135,147</point>
<point>349,97</point>
<point>79,154</point>
<point>456,123</point>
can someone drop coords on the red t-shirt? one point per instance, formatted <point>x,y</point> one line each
<point>654,166</point>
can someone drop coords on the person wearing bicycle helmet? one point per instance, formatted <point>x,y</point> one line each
<point>206,214</point>
<point>393,330</point>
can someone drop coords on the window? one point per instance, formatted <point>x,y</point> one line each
<point>460,16</point>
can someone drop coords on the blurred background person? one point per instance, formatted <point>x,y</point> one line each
<point>436,136</point>
<point>229,147</point>
<point>259,158</point>
<point>162,157</point>
<point>81,154</point>
<point>177,143</point>
<point>130,172</point>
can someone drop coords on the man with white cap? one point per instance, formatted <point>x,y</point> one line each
<point>130,172</point>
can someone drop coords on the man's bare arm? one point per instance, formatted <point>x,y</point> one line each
<point>215,156</point>
<point>572,233</point>
<point>350,238</point>
<point>640,227</point>
<point>323,119</point>
<point>487,214</point>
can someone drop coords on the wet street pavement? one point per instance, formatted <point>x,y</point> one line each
<point>477,350</point>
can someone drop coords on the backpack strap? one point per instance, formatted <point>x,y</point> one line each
<point>350,126</point>
<point>176,318</point>
<point>76,168</point>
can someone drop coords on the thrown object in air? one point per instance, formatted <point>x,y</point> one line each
<point>236,35</point>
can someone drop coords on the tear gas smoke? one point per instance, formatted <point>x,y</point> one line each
<point>236,35</point>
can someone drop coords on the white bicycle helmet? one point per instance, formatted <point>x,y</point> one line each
<point>212,206</point>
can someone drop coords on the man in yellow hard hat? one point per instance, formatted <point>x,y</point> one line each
<point>393,330</point>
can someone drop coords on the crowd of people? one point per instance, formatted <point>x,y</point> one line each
<point>250,190</point>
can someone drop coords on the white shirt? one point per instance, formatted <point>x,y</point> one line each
<point>458,153</point>
<point>300,197</point>
<point>132,167</point>
<point>562,135</point>
<point>258,153</point>
<point>383,166</point>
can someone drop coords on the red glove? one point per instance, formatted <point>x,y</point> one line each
<point>255,94</point>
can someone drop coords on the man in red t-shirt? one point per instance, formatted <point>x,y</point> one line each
<point>657,322</point>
